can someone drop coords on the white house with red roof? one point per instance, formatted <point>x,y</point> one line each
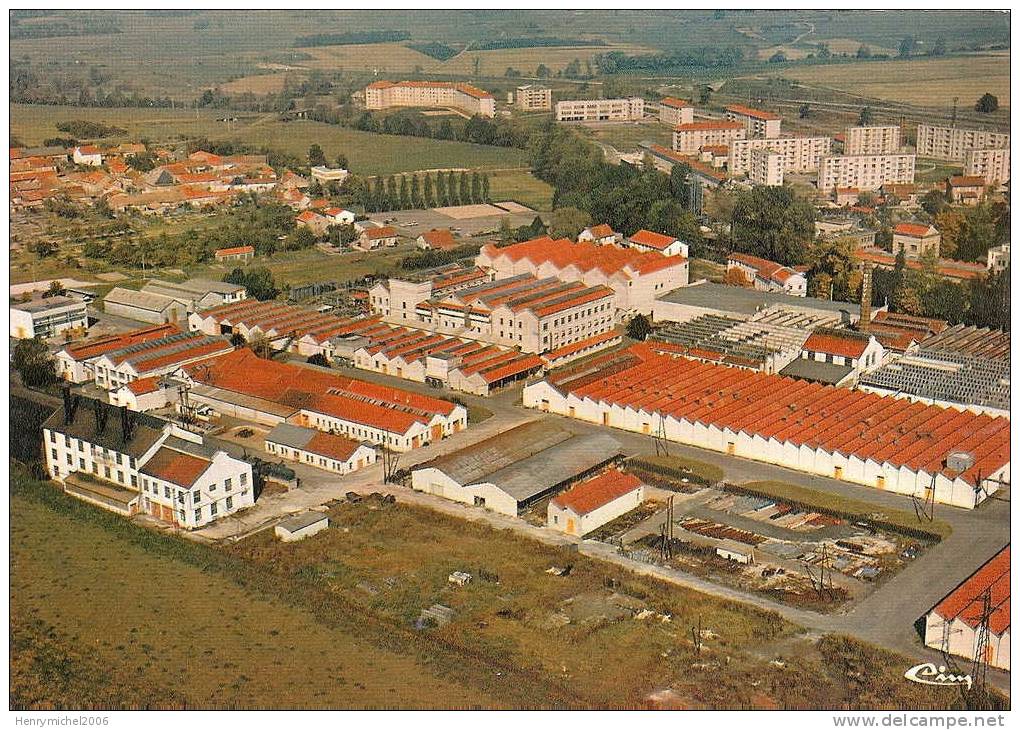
<point>440,239</point>
<point>376,237</point>
<point>858,350</point>
<point>955,624</point>
<point>587,506</point>
<point>916,240</point>
<point>88,154</point>
<point>673,111</point>
<point>326,451</point>
<point>768,275</point>
<point>650,241</point>
<point>601,234</point>
<point>338,216</point>
<point>143,394</point>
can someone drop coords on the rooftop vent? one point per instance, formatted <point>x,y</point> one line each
<point>960,461</point>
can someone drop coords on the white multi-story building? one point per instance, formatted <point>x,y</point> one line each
<point>991,164</point>
<point>533,98</point>
<point>871,140</point>
<point>385,94</point>
<point>766,167</point>
<point>600,110</point>
<point>998,258</point>
<point>132,462</point>
<point>48,317</point>
<point>689,138</point>
<point>951,143</point>
<point>865,172</point>
<point>801,154</point>
<point>674,112</point>
<point>757,122</point>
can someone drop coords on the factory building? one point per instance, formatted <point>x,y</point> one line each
<point>637,277</point>
<point>509,471</point>
<point>197,294</point>
<point>975,616</point>
<point>589,505</point>
<point>862,438</point>
<point>144,306</point>
<point>49,317</point>
<point>767,275</point>
<point>326,451</point>
<point>688,302</point>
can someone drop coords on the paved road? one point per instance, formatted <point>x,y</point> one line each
<point>886,617</point>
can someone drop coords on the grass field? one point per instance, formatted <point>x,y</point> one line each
<point>523,187</point>
<point>628,137</point>
<point>381,57</point>
<point>929,82</point>
<point>257,84</point>
<point>326,622</point>
<point>311,265</point>
<point>369,154</point>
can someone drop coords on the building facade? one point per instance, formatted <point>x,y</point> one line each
<point>916,240</point>
<point>767,168</point>
<point>871,140</point>
<point>600,110</point>
<point>690,138</point>
<point>757,122</point>
<point>530,97</point>
<point>674,112</point>
<point>472,100</point>
<point>951,143</point>
<point>990,164</point>
<point>865,172</point>
<point>48,317</point>
<point>801,154</point>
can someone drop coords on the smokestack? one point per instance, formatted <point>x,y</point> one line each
<point>865,321</point>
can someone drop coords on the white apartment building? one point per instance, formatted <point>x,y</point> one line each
<point>871,140</point>
<point>757,122</point>
<point>998,258</point>
<point>766,167</point>
<point>600,110</point>
<point>48,317</point>
<point>533,98</point>
<point>690,138</point>
<point>674,112</point>
<point>951,143</point>
<point>865,172</point>
<point>470,99</point>
<point>991,164</point>
<point>131,462</point>
<point>801,154</point>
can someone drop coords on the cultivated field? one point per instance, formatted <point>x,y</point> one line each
<point>926,82</point>
<point>32,123</point>
<point>381,57</point>
<point>258,84</point>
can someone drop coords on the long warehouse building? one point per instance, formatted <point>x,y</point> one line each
<point>885,443</point>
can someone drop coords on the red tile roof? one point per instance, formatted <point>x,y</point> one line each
<point>602,230</point>
<point>589,495</point>
<point>585,256</point>
<point>672,101</point>
<point>382,232</point>
<point>176,467</point>
<point>440,238</point>
<point>846,344</point>
<point>573,347</point>
<point>914,229</point>
<point>853,423</point>
<point>705,126</point>
<point>747,111</point>
<point>141,386</point>
<point>966,602</point>
<point>332,446</point>
<point>309,217</point>
<point>967,181</point>
<point>651,239</point>
<point>948,268</point>
<point>235,251</point>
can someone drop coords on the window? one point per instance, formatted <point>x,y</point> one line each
<point>54,453</point>
<point>166,491</point>
<point>70,461</point>
<point>106,470</point>
<point>81,464</point>
<point>228,484</point>
<point>134,481</point>
<point>120,477</point>
<point>180,497</point>
<point>212,487</point>
<point>230,503</point>
<point>198,515</point>
<point>212,509</point>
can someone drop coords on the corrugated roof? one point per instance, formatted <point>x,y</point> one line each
<point>139,300</point>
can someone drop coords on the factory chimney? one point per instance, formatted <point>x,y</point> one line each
<point>865,321</point>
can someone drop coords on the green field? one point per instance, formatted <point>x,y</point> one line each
<point>522,187</point>
<point>327,622</point>
<point>628,137</point>
<point>311,265</point>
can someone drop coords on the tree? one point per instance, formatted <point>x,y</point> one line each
<point>465,189</point>
<point>318,359</point>
<point>237,340</point>
<point>934,202</point>
<point>939,49</point>
<point>950,224</point>
<point>442,197</point>
<point>341,162</point>
<point>56,289</point>
<point>476,187</point>
<point>568,222</point>
<point>392,196</point>
<point>735,276</point>
<point>506,233</point>
<point>405,194</point>
<point>639,328</point>
<point>777,57</point>
<point>704,93</point>
<point>805,111</point>
<point>771,222</point>
<point>485,188</point>
<point>378,198</point>
<point>835,262</point>
<point>542,71</point>
<point>987,104</point>
<point>258,281</point>
<point>31,358</point>
<point>316,156</point>
<point>907,46</point>
<point>866,117</point>
<point>863,52</point>
<point>445,131</point>
<point>261,346</point>
<point>977,233</point>
<point>989,301</point>
<point>429,196</point>
<point>416,199</point>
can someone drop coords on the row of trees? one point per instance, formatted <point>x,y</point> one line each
<point>418,191</point>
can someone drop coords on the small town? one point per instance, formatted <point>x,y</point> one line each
<point>518,360</point>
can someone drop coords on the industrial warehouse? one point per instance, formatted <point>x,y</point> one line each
<point>885,443</point>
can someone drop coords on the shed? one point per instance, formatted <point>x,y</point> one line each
<point>735,551</point>
<point>299,526</point>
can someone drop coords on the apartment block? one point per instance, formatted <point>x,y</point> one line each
<point>690,138</point>
<point>674,112</point>
<point>533,98</point>
<point>865,172</point>
<point>801,154</point>
<point>990,164</point>
<point>871,140</point>
<point>600,110</point>
<point>766,167</point>
<point>950,143</point>
<point>757,122</point>
<point>472,100</point>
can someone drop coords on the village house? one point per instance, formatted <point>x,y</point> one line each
<point>439,239</point>
<point>372,238</point>
<point>590,504</point>
<point>916,240</point>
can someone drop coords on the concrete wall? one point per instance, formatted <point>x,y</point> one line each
<point>433,481</point>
